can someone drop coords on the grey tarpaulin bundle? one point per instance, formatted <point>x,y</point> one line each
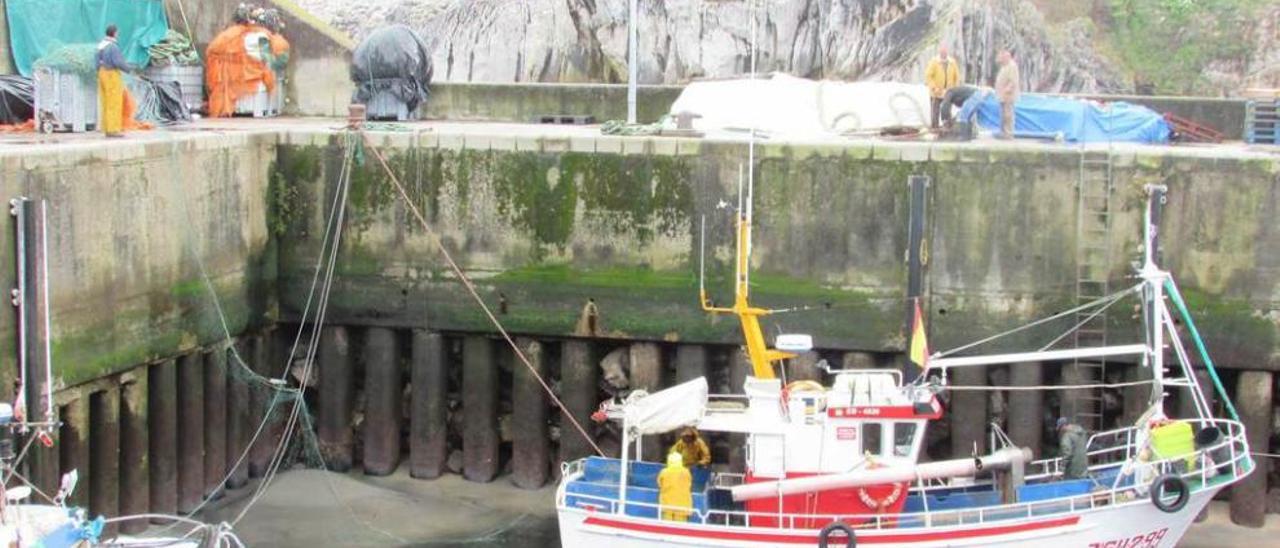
<point>16,99</point>
<point>157,102</point>
<point>393,59</point>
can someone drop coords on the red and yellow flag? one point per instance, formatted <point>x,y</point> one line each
<point>919,346</point>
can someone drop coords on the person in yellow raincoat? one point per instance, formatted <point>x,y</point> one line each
<point>111,92</point>
<point>675,489</point>
<point>692,448</point>
<point>941,74</point>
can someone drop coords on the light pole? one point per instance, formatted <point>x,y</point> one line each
<point>633,38</point>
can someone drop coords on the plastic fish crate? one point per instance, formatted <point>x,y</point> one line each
<point>386,106</point>
<point>277,96</point>
<point>190,79</point>
<point>1262,122</point>
<point>257,104</point>
<point>65,102</point>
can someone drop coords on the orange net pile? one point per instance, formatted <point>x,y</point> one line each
<point>230,73</point>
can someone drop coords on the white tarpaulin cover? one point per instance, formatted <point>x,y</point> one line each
<point>797,107</point>
<point>666,410</point>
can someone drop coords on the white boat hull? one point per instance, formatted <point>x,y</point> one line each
<point>1135,524</point>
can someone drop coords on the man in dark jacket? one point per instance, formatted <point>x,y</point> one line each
<point>1072,443</point>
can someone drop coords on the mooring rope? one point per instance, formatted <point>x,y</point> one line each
<point>466,282</point>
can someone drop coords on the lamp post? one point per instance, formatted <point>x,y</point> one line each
<point>633,38</point>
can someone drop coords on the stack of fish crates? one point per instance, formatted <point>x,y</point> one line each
<point>257,105</point>
<point>384,105</point>
<point>1262,122</point>
<point>277,96</point>
<point>65,102</point>
<point>190,79</point>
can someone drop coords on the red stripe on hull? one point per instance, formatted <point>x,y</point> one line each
<point>748,536</point>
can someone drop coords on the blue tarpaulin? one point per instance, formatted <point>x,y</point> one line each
<point>1076,120</point>
<point>37,27</point>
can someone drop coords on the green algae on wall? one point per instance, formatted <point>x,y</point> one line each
<point>535,196</point>
<point>640,195</point>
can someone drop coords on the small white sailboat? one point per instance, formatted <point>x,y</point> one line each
<point>839,465</point>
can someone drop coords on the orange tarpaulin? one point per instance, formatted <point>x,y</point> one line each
<point>230,73</point>
<point>130,108</point>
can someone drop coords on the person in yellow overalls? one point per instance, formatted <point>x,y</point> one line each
<point>111,93</point>
<point>675,489</point>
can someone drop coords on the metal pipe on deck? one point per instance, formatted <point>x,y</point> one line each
<point>1000,460</point>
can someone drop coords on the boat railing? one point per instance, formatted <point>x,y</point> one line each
<point>1210,464</point>
<point>1104,449</point>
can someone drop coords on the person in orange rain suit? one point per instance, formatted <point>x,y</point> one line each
<point>231,73</point>
<point>111,93</point>
<point>675,489</point>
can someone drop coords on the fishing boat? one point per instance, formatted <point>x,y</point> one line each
<point>839,464</point>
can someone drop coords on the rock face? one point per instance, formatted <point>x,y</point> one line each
<point>680,40</point>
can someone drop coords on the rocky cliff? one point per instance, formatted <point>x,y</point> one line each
<point>680,40</point>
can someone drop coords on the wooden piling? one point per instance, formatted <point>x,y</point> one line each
<point>74,454</point>
<point>579,380</point>
<point>691,362</point>
<point>215,421</point>
<point>382,402</point>
<point>646,374</point>
<point>135,484</point>
<point>858,360</point>
<point>530,444</point>
<point>260,403</point>
<point>335,408</point>
<point>162,420</point>
<point>191,432</point>
<point>1026,407</point>
<point>968,412</point>
<point>429,411</point>
<point>104,456</point>
<point>804,367</point>
<point>739,370</point>
<point>1254,393</point>
<point>479,410</point>
<point>1137,399</point>
<point>239,426</point>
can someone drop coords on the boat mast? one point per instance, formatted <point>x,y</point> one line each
<point>1154,279</point>
<point>761,356</point>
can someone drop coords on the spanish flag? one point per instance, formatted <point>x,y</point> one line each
<point>919,346</point>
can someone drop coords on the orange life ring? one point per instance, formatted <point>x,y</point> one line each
<point>882,503</point>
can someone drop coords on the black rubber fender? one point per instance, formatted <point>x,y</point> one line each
<point>1161,486</point>
<point>832,528</point>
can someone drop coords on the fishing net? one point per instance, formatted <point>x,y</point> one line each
<point>81,59</point>
<point>173,49</point>
<point>277,405</point>
<point>393,60</point>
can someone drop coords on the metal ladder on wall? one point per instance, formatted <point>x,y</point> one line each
<point>1093,240</point>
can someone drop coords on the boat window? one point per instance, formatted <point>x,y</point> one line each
<point>904,437</point>
<point>871,438</point>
